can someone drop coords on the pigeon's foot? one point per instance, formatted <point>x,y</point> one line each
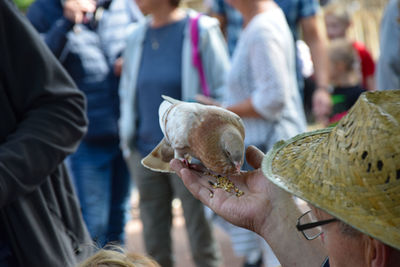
<point>186,162</point>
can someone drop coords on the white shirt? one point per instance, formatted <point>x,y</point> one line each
<point>263,69</point>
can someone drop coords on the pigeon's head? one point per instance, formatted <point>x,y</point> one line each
<point>233,147</point>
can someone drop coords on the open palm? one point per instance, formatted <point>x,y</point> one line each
<point>249,210</point>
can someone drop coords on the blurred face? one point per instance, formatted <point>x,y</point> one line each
<point>334,27</point>
<point>336,71</point>
<point>343,249</point>
<point>235,3</point>
<point>148,6</point>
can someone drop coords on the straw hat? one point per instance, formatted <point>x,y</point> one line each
<point>351,171</point>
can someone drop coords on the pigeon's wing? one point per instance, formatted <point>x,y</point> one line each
<point>180,119</point>
<point>159,158</point>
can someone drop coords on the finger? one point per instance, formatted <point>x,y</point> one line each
<point>78,18</point>
<point>197,186</point>
<point>177,165</point>
<point>198,167</point>
<point>198,174</point>
<point>254,156</point>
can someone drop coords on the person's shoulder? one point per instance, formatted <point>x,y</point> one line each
<point>362,50</point>
<point>359,45</point>
<point>138,30</point>
<point>205,21</point>
<point>268,22</point>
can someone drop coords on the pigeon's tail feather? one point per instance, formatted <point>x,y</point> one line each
<point>170,99</point>
<point>157,161</point>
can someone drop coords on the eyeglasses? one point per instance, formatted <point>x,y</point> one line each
<point>311,230</point>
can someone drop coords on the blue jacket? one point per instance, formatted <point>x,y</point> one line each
<point>88,54</point>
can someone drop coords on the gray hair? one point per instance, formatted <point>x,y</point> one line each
<point>348,230</point>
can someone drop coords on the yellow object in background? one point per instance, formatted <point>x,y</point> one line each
<point>23,4</point>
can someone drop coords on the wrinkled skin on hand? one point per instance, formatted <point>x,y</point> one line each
<point>251,209</point>
<point>263,208</point>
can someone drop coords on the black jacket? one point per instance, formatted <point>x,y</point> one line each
<point>42,121</point>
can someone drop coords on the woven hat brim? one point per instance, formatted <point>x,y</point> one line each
<point>304,166</point>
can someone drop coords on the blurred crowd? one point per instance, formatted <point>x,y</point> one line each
<point>81,82</point>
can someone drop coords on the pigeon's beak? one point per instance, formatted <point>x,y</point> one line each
<point>238,165</point>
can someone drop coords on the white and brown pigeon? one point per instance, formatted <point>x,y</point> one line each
<point>211,134</point>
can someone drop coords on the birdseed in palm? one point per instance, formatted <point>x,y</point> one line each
<point>225,184</point>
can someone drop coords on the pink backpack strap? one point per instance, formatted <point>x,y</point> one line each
<point>194,35</point>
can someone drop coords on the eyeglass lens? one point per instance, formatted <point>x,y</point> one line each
<point>312,232</point>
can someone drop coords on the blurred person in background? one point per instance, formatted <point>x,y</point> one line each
<point>115,256</point>
<point>345,77</point>
<point>262,87</point>
<point>337,21</point>
<point>230,20</point>
<point>88,38</point>
<point>159,61</point>
<point>300,15</point>
<point>388,70</point>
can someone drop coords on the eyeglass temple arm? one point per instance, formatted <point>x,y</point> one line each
<point>306,226</point>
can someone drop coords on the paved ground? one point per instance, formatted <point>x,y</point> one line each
<point>181,244</point>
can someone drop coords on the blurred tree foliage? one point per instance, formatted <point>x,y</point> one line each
<point>23,4</point>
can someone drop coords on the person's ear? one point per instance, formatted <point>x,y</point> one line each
<point>378,253</point>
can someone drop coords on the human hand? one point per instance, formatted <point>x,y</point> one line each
<point>75,10</point>
<point>202,99</point>
<point>118,66</point>
<point>252,209</point>
<point>263,208</point>
<point>322,105</point>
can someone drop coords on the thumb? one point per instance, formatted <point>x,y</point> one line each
<point>254,156</point>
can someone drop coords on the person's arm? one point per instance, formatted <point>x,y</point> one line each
<point>263,208</point>
<point>269,81</point>
<point>244,109</point>
<point>370,83</point>
<point>54,21</point>
<point>313,37</point>
<point>48,111</point>
<point>266,64</point>
<point>217,11</point>
<point>214,55</point>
